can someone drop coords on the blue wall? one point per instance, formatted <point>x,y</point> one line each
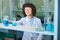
<point>58,19</point>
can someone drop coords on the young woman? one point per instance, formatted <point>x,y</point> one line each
<point>29,11</point>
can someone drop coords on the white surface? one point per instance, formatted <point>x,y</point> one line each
<point>56,19</point>
<point>22,28</point>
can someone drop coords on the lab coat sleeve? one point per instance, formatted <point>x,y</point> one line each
<point>20,22</point>
<point>39,23</point>
<point>40,35</point>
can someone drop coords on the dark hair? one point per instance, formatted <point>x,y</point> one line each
<point>31,6</point>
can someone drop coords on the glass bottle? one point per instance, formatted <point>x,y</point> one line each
<point>5,21</point>
<point>48,27</point>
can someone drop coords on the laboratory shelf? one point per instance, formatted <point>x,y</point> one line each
<point>27,29</point>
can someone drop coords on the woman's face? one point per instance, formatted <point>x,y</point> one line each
<point>28,11</point>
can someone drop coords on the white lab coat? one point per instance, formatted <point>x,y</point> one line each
<point>34,22</point>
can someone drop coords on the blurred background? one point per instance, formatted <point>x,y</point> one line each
<point>13,8</point>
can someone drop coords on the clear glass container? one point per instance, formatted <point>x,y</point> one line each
<point>14,22</point>
<point>5,20</point>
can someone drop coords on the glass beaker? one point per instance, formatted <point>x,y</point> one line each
<point>14,22</point>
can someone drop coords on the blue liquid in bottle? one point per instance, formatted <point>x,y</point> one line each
<point>6,22</point>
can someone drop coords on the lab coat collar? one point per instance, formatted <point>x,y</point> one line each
<point>29,18</point>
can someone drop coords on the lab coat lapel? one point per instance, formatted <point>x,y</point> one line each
<point>28,21</point>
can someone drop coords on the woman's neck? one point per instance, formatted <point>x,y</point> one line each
<point>30,17</point>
